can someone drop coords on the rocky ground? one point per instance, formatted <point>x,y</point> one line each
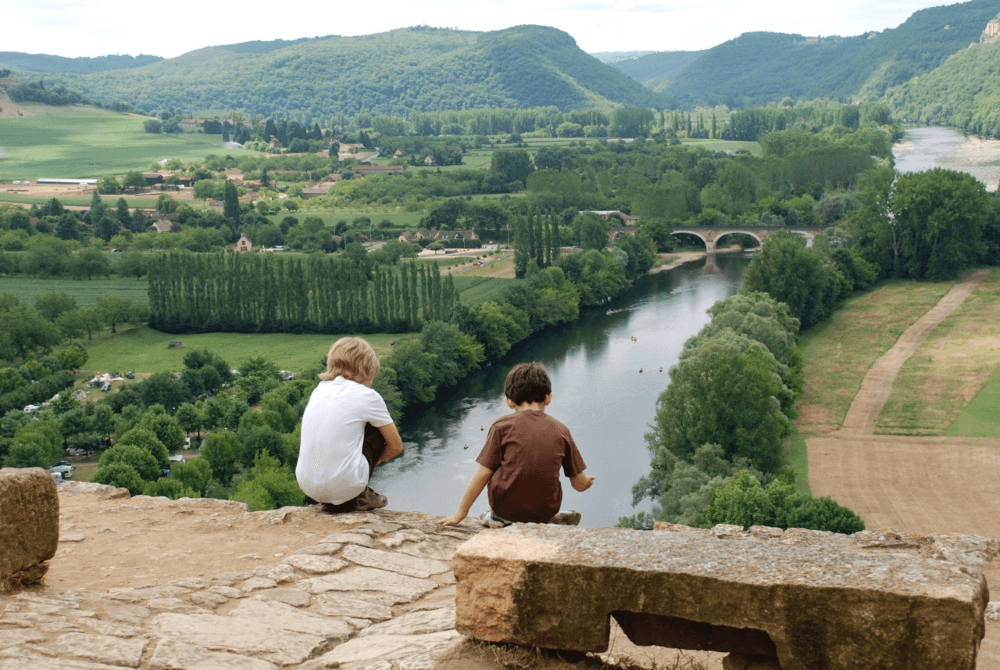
<point>154,584</point>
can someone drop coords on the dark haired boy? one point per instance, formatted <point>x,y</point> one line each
<point>522,456</point>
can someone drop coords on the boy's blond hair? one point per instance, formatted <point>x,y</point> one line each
<point>351,358</point>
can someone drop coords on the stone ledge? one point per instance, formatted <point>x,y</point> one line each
<point>29,525</point>
<point>797,602</point>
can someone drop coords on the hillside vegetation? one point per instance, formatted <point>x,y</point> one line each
<point>762,67</point>
<point>963,93</point>
<point>398,72</point>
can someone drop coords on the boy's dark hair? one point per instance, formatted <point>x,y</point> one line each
<point>527,382</point>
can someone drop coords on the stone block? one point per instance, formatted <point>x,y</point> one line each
<point>29,525</point>
<point>812,605</point>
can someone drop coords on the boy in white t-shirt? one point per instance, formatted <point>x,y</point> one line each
<point>346,431</point>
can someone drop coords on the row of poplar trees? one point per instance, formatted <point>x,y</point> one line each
<point>536,237</point>
<point>252,293</point>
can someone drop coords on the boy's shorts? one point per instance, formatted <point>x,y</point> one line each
<point>372,447</point>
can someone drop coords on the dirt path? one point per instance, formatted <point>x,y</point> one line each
<point>922,485</point>
<point>877,385</point>
<point>917,484</point>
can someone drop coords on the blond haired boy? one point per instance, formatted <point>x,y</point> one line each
<point>346,431</point>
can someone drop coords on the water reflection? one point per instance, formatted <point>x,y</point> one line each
<point>607,369</point>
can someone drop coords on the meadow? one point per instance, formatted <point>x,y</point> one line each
<point>839,353</point>
<point>27,289</point>
<point>146,350</point>
<point>86,142</point>
<point>949,384</point>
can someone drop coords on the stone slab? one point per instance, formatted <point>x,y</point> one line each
<point>29,525</point>
<point>176,655</point>
<point>811,605</point>
<point>391,587</point>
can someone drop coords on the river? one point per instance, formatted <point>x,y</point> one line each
<point>605,387</point>
<point>927,148</point>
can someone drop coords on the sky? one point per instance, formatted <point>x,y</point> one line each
<point>75,28</point>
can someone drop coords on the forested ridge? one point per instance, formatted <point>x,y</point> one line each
<point>398,72</point>
<point>761,67</point>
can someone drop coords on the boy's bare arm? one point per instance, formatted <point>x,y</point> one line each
<point>476,485</point>
<point>581,482</point>
<point>393,443</point>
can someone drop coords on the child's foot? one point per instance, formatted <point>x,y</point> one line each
<point>490,520</point>
<point>369,500</point>
<point>567,518</point>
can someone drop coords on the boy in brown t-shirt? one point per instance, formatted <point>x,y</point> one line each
<point>522,456</point>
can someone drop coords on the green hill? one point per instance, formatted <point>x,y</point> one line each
<point>651,69</point>
<point>758,68</point>
<point>964,93</point>
<point>47,64</point>
<point>398,72</point>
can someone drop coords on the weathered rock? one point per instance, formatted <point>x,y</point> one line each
<point>808,605</point>
<point>387,560</point>
<point>390,647</point>
<point>345,606</point>
<point>102,648</point>
<point>415,623</point>
<point>175,655</point>
<point>372,585</point>
<point>29,525</point>
<point>239,636</point>
<point>313,564</point>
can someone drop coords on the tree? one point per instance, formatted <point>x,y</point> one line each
<point>133,264</point>
<point>154,126</point>
<point>231,202</point>
<point>166,428</point>
<point>941,214</point>
<point>145,440</point>
<point>193,475</point>
<point>592,230</point>
<point>23,331</point>
<point>631,121</point>
<point>269,485</point>
<point>89,262</point>
<point>222,452</point>
<point>54,303</point>
<point>133,180</point>
<point>72,357</point>
<point>47,256</point>
<point>724,391</point>
<point>116,309</point>
<point>79,321</point>
<point>791,273</point>
<point>512,165</point>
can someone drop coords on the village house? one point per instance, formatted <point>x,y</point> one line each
<point>243,244</point>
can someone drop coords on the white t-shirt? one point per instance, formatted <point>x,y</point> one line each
<point>331,466</point>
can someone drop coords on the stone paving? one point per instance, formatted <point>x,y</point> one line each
<point>378,595</point>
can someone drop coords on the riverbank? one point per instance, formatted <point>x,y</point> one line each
<point>677,259</point>
<point>928,148</point>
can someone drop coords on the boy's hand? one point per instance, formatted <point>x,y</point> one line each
<point>452,520</point>
<point>582,482</point>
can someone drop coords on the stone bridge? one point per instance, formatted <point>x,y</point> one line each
<point>710,235</point>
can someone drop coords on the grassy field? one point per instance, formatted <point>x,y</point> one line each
<point>27,289</point>
<point>145,350</point>
<point>839,353</point>
<point>980,417</point>
<point>942,377</point>
<point>86,142</point>
<point>474,290</point>
<point>142,202</point>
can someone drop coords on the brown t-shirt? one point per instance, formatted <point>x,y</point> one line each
<point>525,451</point>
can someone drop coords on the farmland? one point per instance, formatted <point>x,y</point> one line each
<point>85,142</point>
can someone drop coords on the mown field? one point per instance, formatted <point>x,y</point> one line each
<point>145,350</point>
<point>86,142</point>
<point>27,289</point>
<point>949,384</point>
<point>839,353</point>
